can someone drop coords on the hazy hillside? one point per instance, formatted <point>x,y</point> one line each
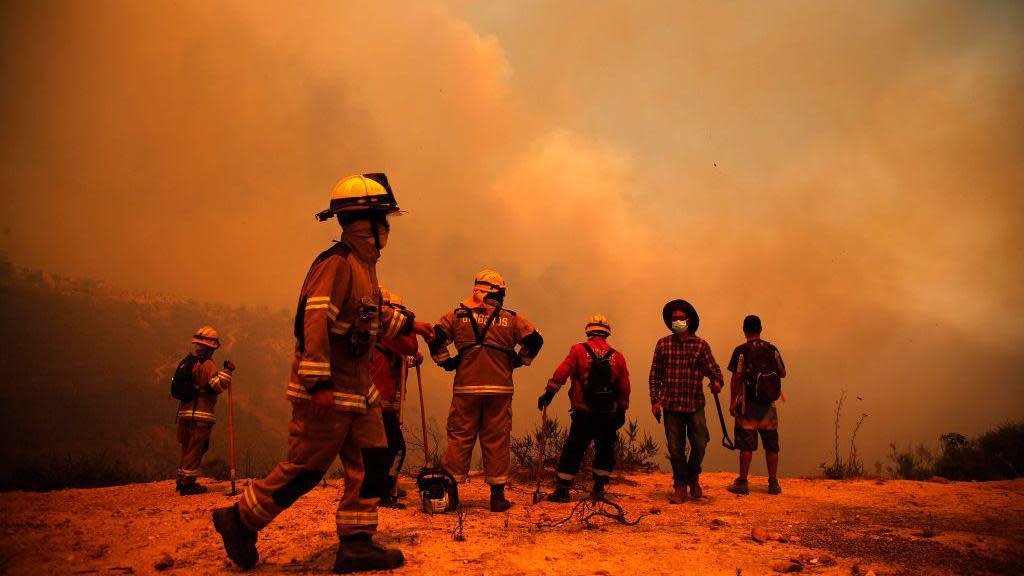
<point>85,372</point>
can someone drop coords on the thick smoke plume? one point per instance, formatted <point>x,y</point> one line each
<point>850,173</point>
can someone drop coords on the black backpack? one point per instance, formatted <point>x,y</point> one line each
<point>602,391</point>
<point>764,385</point>
<point>183,387</point>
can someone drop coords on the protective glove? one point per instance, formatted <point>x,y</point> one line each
<point>545,399</point>
<point>656,410</point>
<point>620,419</point>
<point>451,363</point>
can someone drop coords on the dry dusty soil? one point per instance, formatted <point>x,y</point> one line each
<point>816,526</point>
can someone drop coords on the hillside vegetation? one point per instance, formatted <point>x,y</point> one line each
<point>86,370</point>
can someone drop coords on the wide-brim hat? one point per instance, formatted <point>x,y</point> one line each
<point>693,318</point>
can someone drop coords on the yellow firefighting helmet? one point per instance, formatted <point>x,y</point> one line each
<point>396,301</point>
<point>489,281</point>
<point>598,323</point>
<point>363,192</point>
<point>206,336</point>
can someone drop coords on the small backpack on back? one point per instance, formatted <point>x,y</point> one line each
<point>764,385</point>
<point>602,391</point>
<point>183,386</point>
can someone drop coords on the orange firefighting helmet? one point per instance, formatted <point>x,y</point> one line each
<point>206,336</point>
<point>363,192</point>
<point>598,323</point>
<point>489,281</point>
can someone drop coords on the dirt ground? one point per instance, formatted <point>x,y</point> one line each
<point>831,527</point>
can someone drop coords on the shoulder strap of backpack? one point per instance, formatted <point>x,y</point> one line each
<point>472,322</point>
<point>593,355</point>
<point>590,351</point>
<point>487,325</point>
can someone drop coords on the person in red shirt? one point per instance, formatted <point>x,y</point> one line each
<point>387,362</point>
<point>599,398</point>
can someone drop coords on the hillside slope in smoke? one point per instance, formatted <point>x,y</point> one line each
<point>86,372</point>
<point>890,528</point>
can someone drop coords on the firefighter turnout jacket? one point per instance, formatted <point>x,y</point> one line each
<point>386,367</point>
<point>211,382</point>
<point>485,338</point>
<point>338,322</point>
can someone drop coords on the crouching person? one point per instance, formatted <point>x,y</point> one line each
<point>681,362</point>
<point>757,373</point>
<point>598,398</point>
<point>196,384</point>
<point>335,408</point>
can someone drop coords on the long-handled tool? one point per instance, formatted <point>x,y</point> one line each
<point>423,420</point>
<point>230,367</point>
<point>726,441</point>
<point>537,494</point>
<point>438,489</point>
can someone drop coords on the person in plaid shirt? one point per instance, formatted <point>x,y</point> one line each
<point>681,361</point>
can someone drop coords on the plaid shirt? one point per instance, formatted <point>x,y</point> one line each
<point>678,368</point>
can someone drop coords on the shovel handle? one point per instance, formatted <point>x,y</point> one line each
<point>726,441</point>
<point>423,418</point>
<point>543,441</point>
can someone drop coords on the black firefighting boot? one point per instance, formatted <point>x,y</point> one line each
<point>561,493</point>
<point>498,501</point>
<point>191,489</point>
<point>239,541</point>
<point>597,492</point>
<point>359,553</point>
<point>389,500</point>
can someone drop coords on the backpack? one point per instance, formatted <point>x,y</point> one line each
<point>761,371</point>
<point>602,391</point>
<point>183,387</point>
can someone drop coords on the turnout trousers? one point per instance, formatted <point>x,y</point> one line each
<point>396,446</point>
<point>313,444</point>
<point>589,427</point>
<point>489,417</point>
<point>194,437</point>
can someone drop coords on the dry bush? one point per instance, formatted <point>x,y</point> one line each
<point>852,467</point>
<point>632,453</point>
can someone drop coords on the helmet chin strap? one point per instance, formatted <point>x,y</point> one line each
<point>376,232</point>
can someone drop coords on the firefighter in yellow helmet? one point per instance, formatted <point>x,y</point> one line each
<point>485,335</point>
<point>196,384</point>
<point>335,408</point>
<point>598,399</point>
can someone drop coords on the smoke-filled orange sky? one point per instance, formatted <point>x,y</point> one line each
<point>849,171</point>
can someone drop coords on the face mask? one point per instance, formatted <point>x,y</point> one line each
<point>363,230</point>
<point>680,327</point>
